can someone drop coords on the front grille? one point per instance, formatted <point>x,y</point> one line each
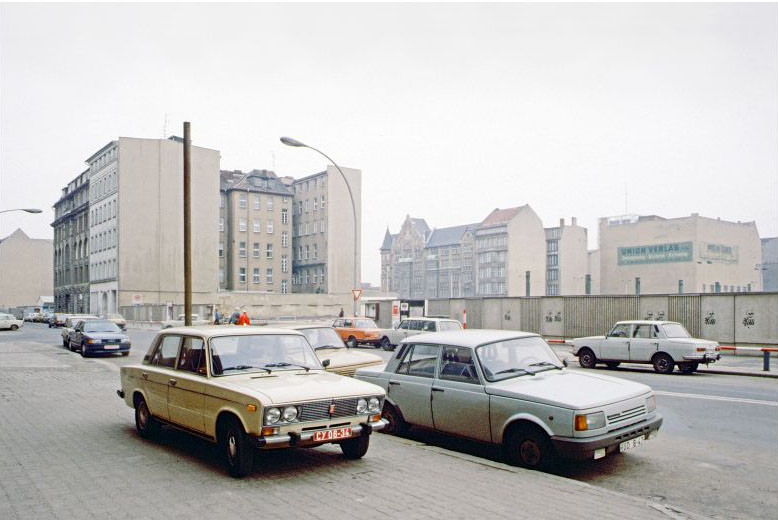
<point>627,414</point>
<point>320,410</point>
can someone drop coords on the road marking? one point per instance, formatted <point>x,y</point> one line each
<point>717,398</point>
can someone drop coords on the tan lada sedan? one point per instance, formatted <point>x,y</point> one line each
<point>248,389</point>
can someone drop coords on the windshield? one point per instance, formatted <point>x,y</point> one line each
<point>323,337</point>
<point>675,330</point>
<point>366,324</point>
<point>515,357</point>
<point>231,354</point>
<point>100,326</point>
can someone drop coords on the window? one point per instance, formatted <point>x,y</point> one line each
<point>322,202</point>
<point>315,251</point>
<point>255,275</point>
<point>192,358</point>
<point>284,216</point>
<point>257,225</point>
<point>221,249</point>
<point>242,201</point>
<point>242,275</point>
<point>283,286</point>
<point>284,264</point>
<point>428,326</point>
<point>166,352</point>
<point>641,331</point>
<point>242,249</point>
<point>257,202</point>
<point>269,275</point>
<point>270,204</point>
<point>221,202</point>
<point>284,239</point>
<point>221,275</point>
<point>315,204</point>
<point>314,278</point>
<point>256,250</point>
<point>419,360</point>
<point>307,252</point>
<point>269,251</point>
<point>457,365</point>
<point>269,226</point>
<point>621,330</point>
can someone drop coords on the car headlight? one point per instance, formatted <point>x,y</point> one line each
<point>374,404</point>
<point>290,413</point>
<point>272,415</point>
<point>361,405</point>
<point>91,341</point>
<point>589,421</point>
<point>650,403</point>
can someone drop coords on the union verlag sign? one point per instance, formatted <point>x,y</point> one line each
<point>656,253</point>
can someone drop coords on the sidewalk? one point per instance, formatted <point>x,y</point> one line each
<point>68,449</point>
<point>727,365</point>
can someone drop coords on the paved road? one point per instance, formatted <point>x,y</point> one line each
<point>716,453</point>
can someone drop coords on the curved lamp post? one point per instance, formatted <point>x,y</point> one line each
<point>294,142</point>
<point>28,210</point>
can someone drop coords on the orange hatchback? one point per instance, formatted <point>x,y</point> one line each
<point>358,330</point>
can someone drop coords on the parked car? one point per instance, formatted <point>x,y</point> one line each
<point>9,321</point>
<point>180,321</point>
<point>117,319</point>
<point>59,319</point>
<point>29,316</point>
<point>509,388</point>
<point>358,330</point>
<point>70,324</point>
<point>664,344</point>
<point>98,337</point>
<point>258,388</point>
<point>412,326</point>
<point>328,345</point>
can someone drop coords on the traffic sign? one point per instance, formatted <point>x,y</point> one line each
<point>356,293</point>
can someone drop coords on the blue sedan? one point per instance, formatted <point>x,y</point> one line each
<point>99,337</point>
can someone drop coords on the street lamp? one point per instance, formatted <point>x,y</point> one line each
<point>28,210</point>
<point>294,142</point>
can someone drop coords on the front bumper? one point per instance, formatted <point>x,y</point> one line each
<point>100,349</point>
<point>704,358</point>
<point>582,449</point>
<point>290,440</point>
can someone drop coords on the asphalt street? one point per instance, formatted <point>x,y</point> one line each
<point>715,454</point>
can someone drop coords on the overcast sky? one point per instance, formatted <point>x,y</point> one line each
<point>450,111</point>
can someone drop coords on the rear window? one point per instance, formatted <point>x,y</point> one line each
<point>449,325</point>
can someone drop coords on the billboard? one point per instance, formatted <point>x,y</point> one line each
<point>656,253</point>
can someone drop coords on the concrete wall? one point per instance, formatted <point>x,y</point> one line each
<point>26,269</point>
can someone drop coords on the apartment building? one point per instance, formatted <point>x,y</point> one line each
<point>25,270</point>
<point>71,246</point>
<point>402,259</point>
<point>255,232</point>
<point>448,261</point>
<point>567,260</point>
<point>323,238</point>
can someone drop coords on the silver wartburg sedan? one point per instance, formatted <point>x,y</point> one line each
<point>510,389</point>
<point>249,389</point>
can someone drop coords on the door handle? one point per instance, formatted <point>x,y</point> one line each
<point>172,382</point>
<point>437,389</point>
<point>145,375</point>
<point>394,383</point>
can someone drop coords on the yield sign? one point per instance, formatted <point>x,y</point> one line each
<point>356,293</point>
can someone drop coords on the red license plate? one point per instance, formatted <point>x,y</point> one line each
<point>332,435</point>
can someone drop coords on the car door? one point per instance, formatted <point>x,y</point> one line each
<point>457,388</point>
<point>643,344</point>
<point>157,375</point>
<point>76,335</point>
<point>616,343</point>
<point>186,391</point>
<point>410,387</point>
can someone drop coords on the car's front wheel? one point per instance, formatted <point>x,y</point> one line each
<point>663,364</point>
<point>14,327</point>
<point>351,342</point>
<point>355,448</point>
<point>84,352</point>
<point>386,344</point>
<point>586,358</point>
<point>396,423</point>
<point>147,426</point>
<point>236,447</point>
<point>528,447</point>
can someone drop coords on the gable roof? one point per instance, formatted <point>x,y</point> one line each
<point>501,216</point>
<point>388,239</point>
<point>448,236</point>
<point>421,225</point>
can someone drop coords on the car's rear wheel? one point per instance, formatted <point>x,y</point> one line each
<point>612,364</point>
<point>688,368</point>
<point>397,424</point>
<point>147,426</point>
<point>663,364</point>
<point>586,358</point>
<point>14,327</point>
<point>236,448</point>
<point>529,447</point>
<point>351,342</point>
<point>386,344</point>
<point>125,354</point>
<point>355,448</point>
<point>66,343</point>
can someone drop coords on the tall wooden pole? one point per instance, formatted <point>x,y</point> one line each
<point>187,226</point>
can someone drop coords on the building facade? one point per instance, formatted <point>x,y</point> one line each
<point>323,238</point>
<point>71,247</point>
<point>255,232</point>
<point>567,260</point>
<point>769,265</point>
<point>655,255</point>
<point>402,259</point>
<point>26,265</point>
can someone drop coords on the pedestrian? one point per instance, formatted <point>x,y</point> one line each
<point>217,317</point>
<point>244,319</point>
<point>340,314</point>
<point>234,317</point>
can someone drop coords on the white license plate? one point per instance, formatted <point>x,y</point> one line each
<point>332,435</point>
<point>631,444</point>
<point>111,347</point>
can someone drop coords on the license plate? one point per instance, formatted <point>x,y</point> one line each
<point>332,435</point>
<point>631,444</point>
<point>111,347</point>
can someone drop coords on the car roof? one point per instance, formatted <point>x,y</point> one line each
<point>301,326</point>
<point>428,319</point>
<point>209,331</point>
<point>468,337</point>
<point>646,322</point>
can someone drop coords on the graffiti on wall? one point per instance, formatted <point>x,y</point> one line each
<point>749,320</point>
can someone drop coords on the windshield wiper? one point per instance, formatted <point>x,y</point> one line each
<point>327,346</point>
<point>245,367</point>
<point>509,370</point>
<point>285,364</point>
<point>544,364</point>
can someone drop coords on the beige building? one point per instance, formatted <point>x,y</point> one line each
<point>656,255</point>
<point>323,233</point>
<point>25,269</point>
<point>566,259</point>
<point>255,232</point>
<point>136,223</point>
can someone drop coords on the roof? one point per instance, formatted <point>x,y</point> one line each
<point>471,337</point>
<point>210,331</point>
<point>500,216</point>
<point>448,236</point>
<point>421,225</point>
<point>388,239</point>
<point>244,181</point>
<point>648,322</point>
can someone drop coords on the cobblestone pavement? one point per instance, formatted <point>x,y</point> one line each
<point>68,449</point>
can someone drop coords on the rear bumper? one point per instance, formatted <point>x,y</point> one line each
<point>581,449</point>
<point>306,438</point>
<point>704,358</point>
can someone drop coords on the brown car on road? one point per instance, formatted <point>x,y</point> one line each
<point>358,330</point>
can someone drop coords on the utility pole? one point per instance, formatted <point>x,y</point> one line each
<point>187,226</point>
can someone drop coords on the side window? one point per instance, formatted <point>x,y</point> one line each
<point>338,323</point>
<point>655,331</point>
<point>428,326</point>
<point>419,360</point>
<point>620,331</point>
<point>641,331</point>
<point>414,325</point>
<point>403,325</point>
<point>457,365</point>
<point>167,350</point>
<point>348,323</point>
<point>192,358</point>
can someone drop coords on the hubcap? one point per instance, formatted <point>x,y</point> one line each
<point>530,453</point>
<point>142,416</point>
<point>232,448</point>
<point>663,364</point>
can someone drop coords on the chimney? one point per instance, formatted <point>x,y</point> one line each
<point>575,221</point>
<point>561,222</point>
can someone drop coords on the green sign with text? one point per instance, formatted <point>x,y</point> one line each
<point>656,253</point>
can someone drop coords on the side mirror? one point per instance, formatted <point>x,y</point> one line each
<point>325,363</point>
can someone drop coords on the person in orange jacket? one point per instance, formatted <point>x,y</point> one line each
<point>243,319</point>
